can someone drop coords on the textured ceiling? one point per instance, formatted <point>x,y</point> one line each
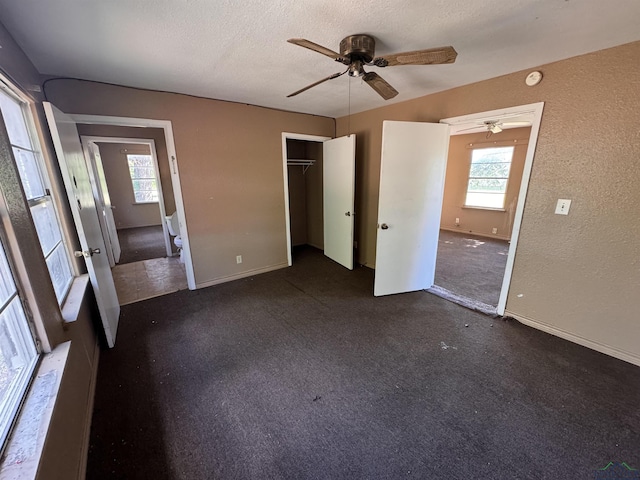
<point>237,51</point>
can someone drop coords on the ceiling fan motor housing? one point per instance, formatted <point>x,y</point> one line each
<point>358,47</point>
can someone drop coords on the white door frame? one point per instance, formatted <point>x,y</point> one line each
<point>167,127</point>
<point>285,175</point>
<point>86,139</point>
<point>535,110</point>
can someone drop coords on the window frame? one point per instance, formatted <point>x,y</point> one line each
<point>19,387</point>
<point>466,203</point>
<point>133,179</point>
<point>26,106</point>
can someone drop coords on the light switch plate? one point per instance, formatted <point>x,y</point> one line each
<point>562,207</point>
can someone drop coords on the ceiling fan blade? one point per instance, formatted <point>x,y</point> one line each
<point>380,85</point>
<point>484,127</point>
<point>330,77</point>
<point>431,56</point>
<point>516,124</point>
<point>316,48</point>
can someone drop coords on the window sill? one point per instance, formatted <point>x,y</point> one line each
<point>26,443</point>
<point>485,208</point>
<point>73,302</point>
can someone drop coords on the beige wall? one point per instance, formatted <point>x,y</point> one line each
<point>475,220</point>
<point>229,159</point>
<point>127,213</point>
<point>155,134</point>
<point>64,454</point>
<point>574,275</point>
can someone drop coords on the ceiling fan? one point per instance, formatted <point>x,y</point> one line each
<point>496,126</point>
<point>359,50</point>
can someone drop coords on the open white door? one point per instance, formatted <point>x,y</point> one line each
<point>76,180</point>
<point>103,201</point>
<point>412,171</point>
<point>338,186</point>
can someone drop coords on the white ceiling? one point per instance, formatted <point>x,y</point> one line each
<point>237,51</point>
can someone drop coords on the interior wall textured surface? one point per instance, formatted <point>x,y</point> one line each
<point>477,220</point>
<point>579,273</point>
<point>229,159</point>
<point>155,134</point>
<point>127,213</point>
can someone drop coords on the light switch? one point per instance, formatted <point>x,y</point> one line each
<point>562,207</point>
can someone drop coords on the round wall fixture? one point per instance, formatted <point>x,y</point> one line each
<point>533,78</point>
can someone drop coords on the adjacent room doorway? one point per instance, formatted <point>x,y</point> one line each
<point>408,224</point>
<point>528,116</point>
<point>129,193</point>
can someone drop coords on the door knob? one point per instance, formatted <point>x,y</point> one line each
<point>348,214</point>
<point>384,226</point>
<point>86,253</point>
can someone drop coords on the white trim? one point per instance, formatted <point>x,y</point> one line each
<point>285,175</point>
<point>166,125</point>
<point>152,147</point>
<point>599,347</point>
<point>535,110</point>
<point>237,276</point>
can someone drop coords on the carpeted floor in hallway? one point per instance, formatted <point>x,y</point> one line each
<point>141,243</point>
<point>471,265</point>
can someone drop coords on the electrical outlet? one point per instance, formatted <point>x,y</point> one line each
<point>457,221</point>
<point>494,230</point>
<point>239,259</point>
<point>562,207</point>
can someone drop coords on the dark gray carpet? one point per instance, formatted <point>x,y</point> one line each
<point>471,266</point>
<point>141,243</point>
<point>302,374</point>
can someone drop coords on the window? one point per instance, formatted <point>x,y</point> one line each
<point>19,125</point>
<point>143,178</point>
<point>488,177</point>
<point>18,354</point>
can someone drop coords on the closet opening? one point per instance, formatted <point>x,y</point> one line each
<point>304,182</point>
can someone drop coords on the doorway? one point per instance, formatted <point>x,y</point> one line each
<point>304,172</point>
<point>328,209</point>
<point>127,180</point>
<point>478,240</point>
<point>303,184</point>
<point>166,129</point>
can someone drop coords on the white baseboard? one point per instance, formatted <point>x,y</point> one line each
<point>238,276</point>
<point>477,234</point>
<point>599,347</point>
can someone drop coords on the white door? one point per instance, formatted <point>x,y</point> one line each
<point>103,200</point>
<point>414,159</point>
<point>76,180</point>
<point>338,186</point>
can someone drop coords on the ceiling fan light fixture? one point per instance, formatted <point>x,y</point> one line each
<point>355,69</point>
